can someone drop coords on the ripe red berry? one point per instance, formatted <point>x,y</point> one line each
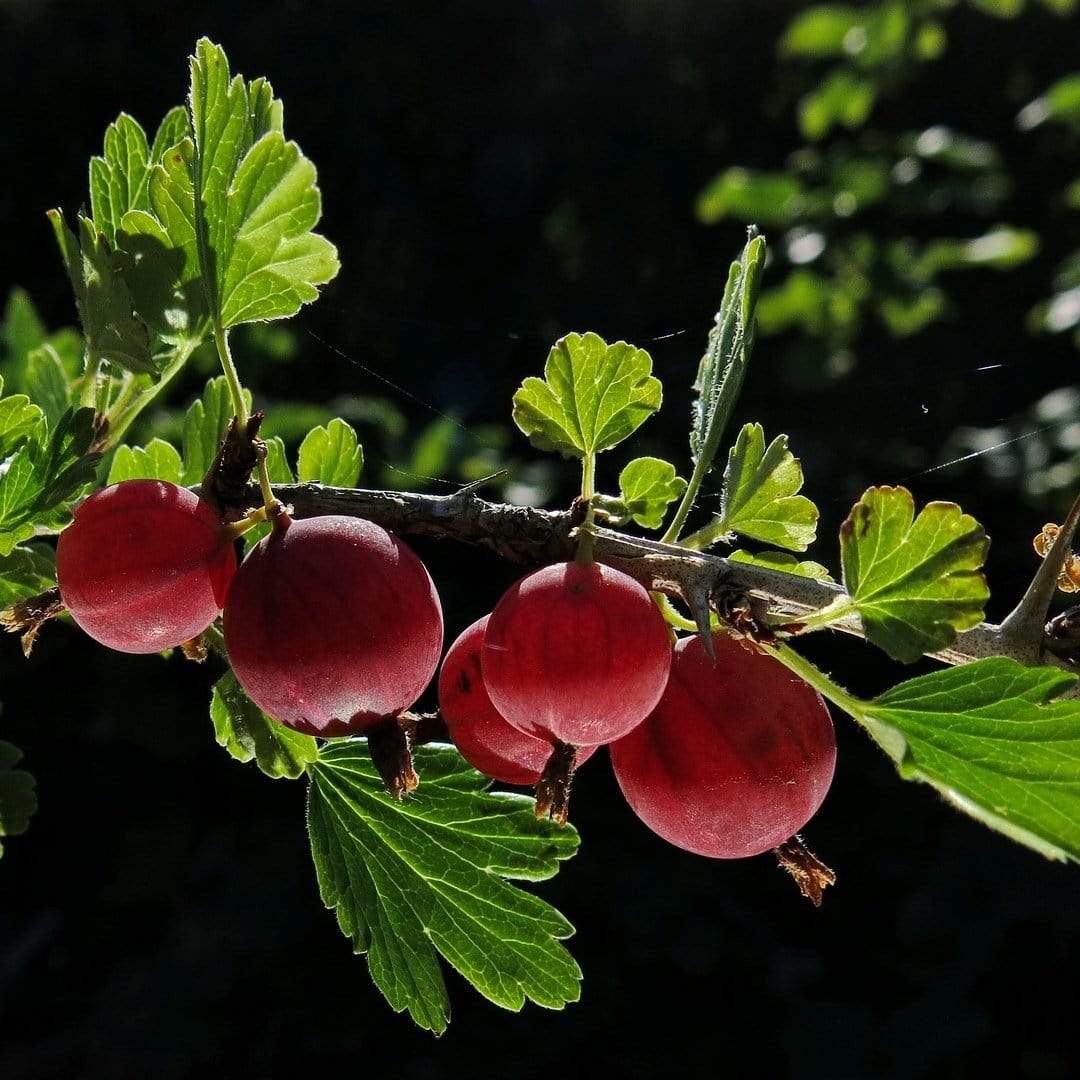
<point>144,566</point>
<point>485,739</point>
<point>736,758</point>
<point>577,654</point>
<point>332,625</point>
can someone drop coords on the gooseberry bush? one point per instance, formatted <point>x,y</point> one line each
<point>675,651</point>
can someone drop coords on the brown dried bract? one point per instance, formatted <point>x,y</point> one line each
<point>1069,578</point>
<point>195,650</point>
<point>226,481</point>
<point>390,746</point>
<point>810,873</point>
<point>553,787</point>
<point>27,616</point>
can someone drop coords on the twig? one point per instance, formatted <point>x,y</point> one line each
<point>526,535</point>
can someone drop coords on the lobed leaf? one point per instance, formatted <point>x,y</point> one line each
<point>331,455</point>
<point>111,328</point>
<point>648,486</point>
<point>158,460</point>
<point>18,800</point>
<point>783,561</point>
<point>44,476</point>
<point>248,734</point>
<point>593,395</point>
<point>915,581</point>
<point>204,428</point>
<point>412,880</point>
<point>227,233</point>
<point>119,177</point>
<point>760,496</point>
<point>19,416</point>
<point>26,571</point>
<point>998,740</point>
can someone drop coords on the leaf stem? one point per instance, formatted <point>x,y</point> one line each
<point>817,678</point>
<point>584,554</point>
<point>824,617</point>
<point>690,495</point>
<point>236,392</point>
<point>232,376</point>
<point>123,414</point>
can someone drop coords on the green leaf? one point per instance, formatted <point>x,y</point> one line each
<point>760,497</point>
<point>118,179</point>
<point>204,428</point>
<point>331,455</point>
<point>26,571</point>
<point>22,331</point>
<point>232,206</point>
<point>648,487</point>
<point>248,734</point>
<point>751,196</point>
<point>843,99</point>
<point>18,800</point>
<point>783,561</point>
<point>593,395</point>
<point>47,381</point>
<point>991,737</point>
<point>18,417</point>
<point>723,367</point>
<point>915,581</point>
<point>45,476</point>
<point>409,880</point>
<point>111,329</point>
<point>158,460</point>
<point>173,128</point>
<point>819,32</point>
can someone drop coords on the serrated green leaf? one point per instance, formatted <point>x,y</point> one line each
<point>760,496</point>
<point>21,332</point>
<point>331,455</point>
<point>723,367</point>
<point>409,880</point>
<point>204,428</point>
<point>111,329</point>
<point>119,177</point>
<point>915,581</point>
<point>991,737</point>
<point>247,733</point>
<point>819,32</point>
<point>18,800</point>
<point>648,486</point>
<point>173,128</point>
<point>232,207</point>
<point>18,418</point>
<point>158,460</point>
<point>593,395</point>
<point>47,381</point>
<point>45,476</point>
<point>783,561</point>
<point>26,571</point>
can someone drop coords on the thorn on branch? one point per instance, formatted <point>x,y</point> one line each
<point>1024,627</point>
<point>810,874</point>
<point>27,616</point>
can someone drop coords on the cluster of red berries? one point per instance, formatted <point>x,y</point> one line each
<point>333,626</point>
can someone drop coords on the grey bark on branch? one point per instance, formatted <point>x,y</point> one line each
<point>527,535</point>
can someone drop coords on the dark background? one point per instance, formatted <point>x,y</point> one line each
<point>161,917</point>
